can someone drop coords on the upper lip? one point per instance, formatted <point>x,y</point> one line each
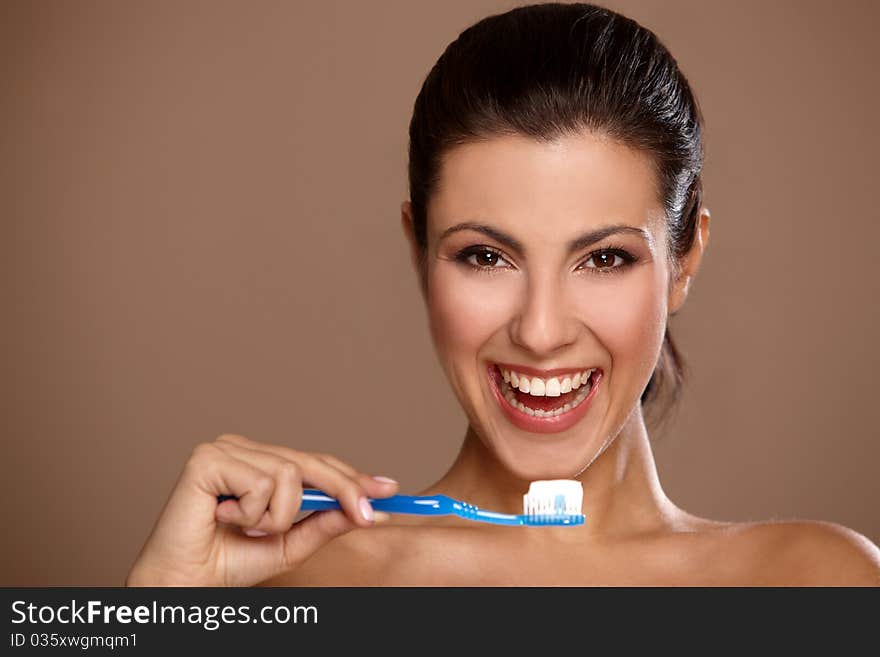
<point>542,374</point>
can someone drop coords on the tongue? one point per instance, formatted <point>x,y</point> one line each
<point>545,403</point>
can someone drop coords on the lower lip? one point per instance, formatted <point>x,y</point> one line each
<point>534,424</point>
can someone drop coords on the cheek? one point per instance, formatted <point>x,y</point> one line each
<point>627,317</point>
<point>465,310</point>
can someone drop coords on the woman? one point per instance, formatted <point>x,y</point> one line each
<point>555,221</point>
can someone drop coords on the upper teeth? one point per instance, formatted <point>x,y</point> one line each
<point>539,387</point>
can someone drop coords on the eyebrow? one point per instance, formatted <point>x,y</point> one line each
<point>578,243</point>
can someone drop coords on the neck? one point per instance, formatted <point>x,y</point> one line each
<point>622,492</point>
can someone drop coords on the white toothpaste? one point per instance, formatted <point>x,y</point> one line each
<point>554,497</point>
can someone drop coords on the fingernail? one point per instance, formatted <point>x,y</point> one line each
<point>385,480</point>
<point>366,509</point>
<point>256,533</point>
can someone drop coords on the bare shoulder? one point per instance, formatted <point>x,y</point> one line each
<point>811,553</point>
<point>698,552</point>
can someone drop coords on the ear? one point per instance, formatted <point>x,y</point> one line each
<point>407,223</point>
<point>409,231</point>
<point>690,263</point>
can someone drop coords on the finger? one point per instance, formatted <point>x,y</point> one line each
<point>349,491</point>
<point>376,486</point>
<point>218,473</point>
<point>287,495</point>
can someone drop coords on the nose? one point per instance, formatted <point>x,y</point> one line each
<point>544,323</point>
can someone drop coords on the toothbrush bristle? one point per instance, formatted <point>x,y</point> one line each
<point>554,520</point>
<point>553,502</point>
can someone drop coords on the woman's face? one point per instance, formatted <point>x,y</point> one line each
<point>547,260</point>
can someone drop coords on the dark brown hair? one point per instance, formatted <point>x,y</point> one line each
<point>547,70</point>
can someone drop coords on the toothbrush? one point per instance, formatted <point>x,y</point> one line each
<point>549,502</point>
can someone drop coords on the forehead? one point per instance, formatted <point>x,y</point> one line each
<point>570,183</point>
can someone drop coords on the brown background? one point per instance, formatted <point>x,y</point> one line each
<point>200,204</point>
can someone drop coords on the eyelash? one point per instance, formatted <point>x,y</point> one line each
<point>464,255</point>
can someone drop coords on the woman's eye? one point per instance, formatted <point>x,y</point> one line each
<point>483,259</point>
<point>602,260</point>
<point>606,260</point>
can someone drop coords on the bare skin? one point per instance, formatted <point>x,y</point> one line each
<point>605,305</point>
<point>634,535</point>
<point>655,545</point>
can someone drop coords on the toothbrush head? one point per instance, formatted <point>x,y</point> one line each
<point>553,502</point>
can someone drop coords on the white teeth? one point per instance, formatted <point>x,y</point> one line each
<point>550,385</point>
<point>552,413</point>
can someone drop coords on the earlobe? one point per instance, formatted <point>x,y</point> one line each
<point>679,293</point>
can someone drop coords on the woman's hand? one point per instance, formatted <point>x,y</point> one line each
<point>198,541</point>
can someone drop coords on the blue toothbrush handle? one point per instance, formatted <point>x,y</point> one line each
<point>432,505</point>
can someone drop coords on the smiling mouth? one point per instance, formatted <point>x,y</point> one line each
<point>546,398</point>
